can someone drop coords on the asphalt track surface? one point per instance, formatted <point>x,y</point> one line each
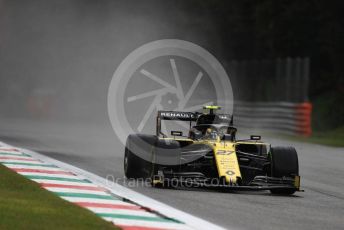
<point>94,147</point>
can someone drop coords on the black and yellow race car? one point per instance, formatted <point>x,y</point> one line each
<point>210,156</point>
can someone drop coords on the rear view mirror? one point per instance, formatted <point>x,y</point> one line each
<point>177,133</point>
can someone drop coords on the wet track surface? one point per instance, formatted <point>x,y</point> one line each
<point>94,147</point>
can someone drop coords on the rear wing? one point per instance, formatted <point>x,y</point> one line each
<point>184,116</point>
<point>174,115</point>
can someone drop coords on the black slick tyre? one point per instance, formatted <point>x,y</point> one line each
<point>284,163</point>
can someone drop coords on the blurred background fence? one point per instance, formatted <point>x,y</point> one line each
<point>272,95</point>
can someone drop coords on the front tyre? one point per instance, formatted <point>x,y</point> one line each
<point>284,163</point>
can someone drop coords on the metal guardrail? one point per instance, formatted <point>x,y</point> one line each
<point>281,117</point>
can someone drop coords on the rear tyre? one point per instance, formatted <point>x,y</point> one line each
<point>134,166</point>
<point>131,165</point>
<point>284,163</point>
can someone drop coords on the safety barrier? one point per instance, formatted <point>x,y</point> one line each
<point>281,117</point>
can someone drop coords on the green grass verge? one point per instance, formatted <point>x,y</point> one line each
<point>333,137</point>
<point>24,205</point>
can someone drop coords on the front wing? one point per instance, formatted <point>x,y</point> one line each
<point>259,183</point>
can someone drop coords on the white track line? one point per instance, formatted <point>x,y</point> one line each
<point>46,181</point>
<point>28,163</point>
<point>122,211</point>
<point>11,166</point>
<point>50,175</point>
<point>20,161</point>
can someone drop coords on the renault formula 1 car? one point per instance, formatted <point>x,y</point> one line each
<point>210,156</point>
